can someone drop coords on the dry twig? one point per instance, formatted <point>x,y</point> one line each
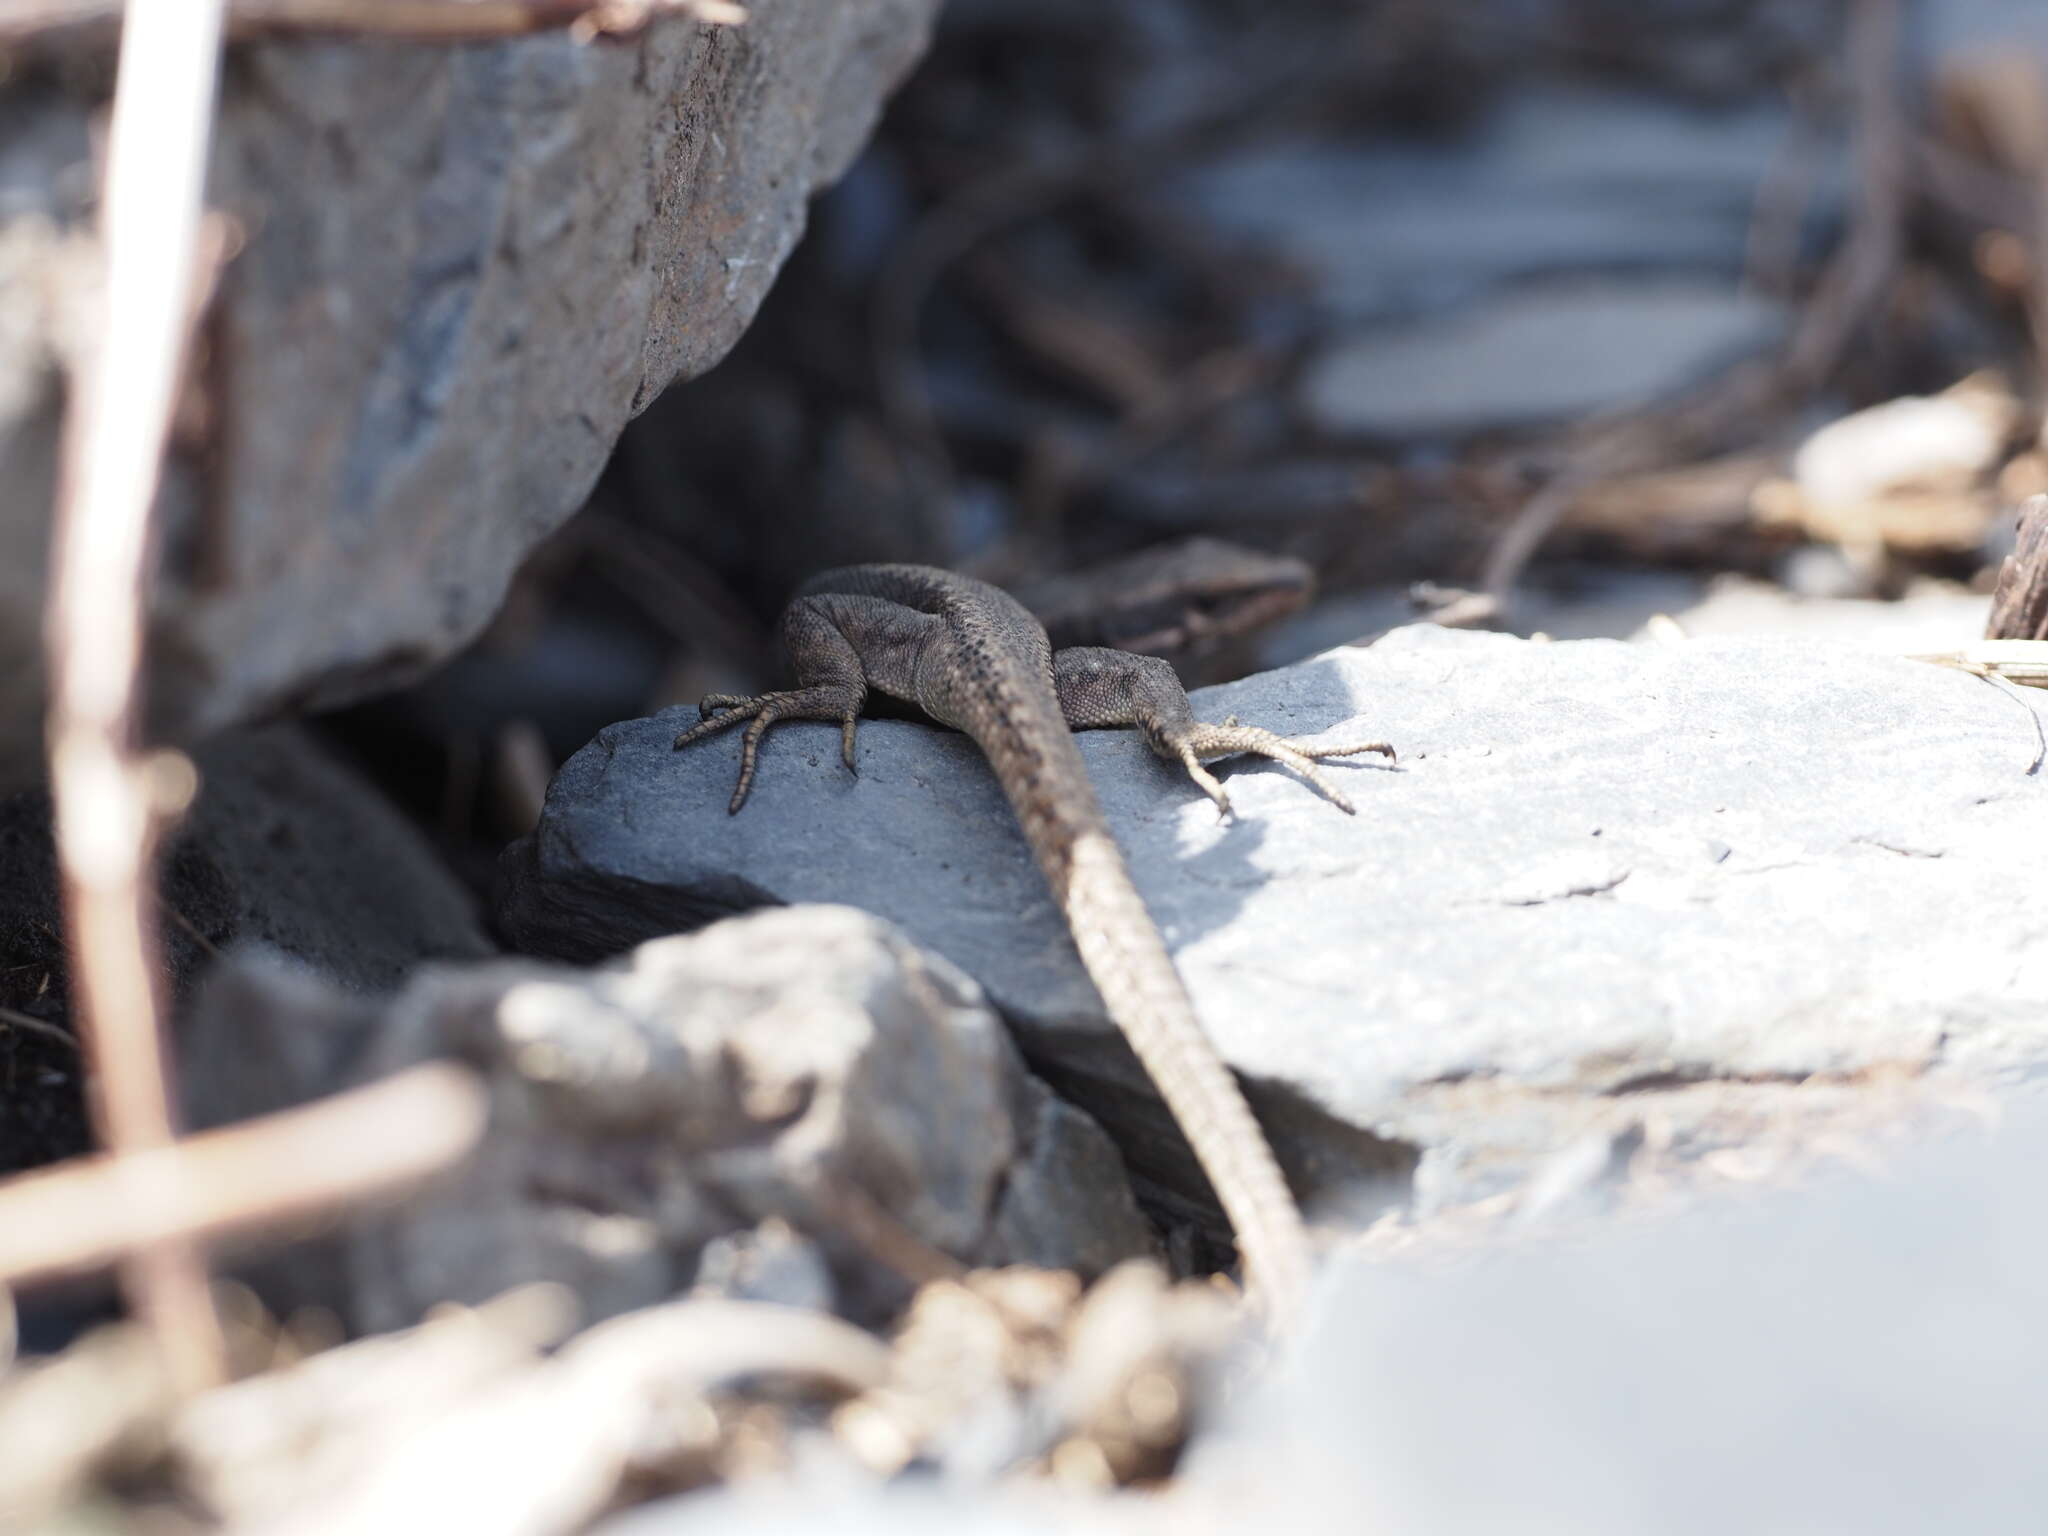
<point>1856,281</point>
<point>90,1212</point>
<point>108,797</point>
<point>28,21</point>
<point>12,1018</point>
<point>1294,82</point>
<point>1867,263</point>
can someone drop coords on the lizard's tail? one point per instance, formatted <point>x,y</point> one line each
<point>1127,959</point>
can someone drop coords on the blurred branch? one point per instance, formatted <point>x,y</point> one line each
<point>1857,280</point>
<point>108,797</point>
<point>1292,81</point>
<point>13,1018</point>
<point>90,1212</point>
<point>1867,262</point>
<point>441,20</point>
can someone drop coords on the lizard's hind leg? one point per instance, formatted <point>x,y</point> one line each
<point>831,686</point>
<point>1100,687</point>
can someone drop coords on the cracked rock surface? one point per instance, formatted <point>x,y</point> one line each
<point>1709,893</point>
<point>808,1069</point>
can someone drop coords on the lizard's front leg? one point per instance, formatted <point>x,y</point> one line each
<point>838,644</point>
<point>1099,687</point>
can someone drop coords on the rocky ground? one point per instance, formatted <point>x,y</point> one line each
<point>1644,386</point>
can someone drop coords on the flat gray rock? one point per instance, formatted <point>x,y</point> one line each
<point>1724,880</point>
<point>1848,1360</point>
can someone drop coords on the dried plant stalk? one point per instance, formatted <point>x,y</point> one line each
<point>106,811</point>
<point>26,21</point>
<point>89,1212</point>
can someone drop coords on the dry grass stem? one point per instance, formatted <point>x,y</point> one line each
<point>26,21</point>
<point>102,789</point>
<point>84,1214</point>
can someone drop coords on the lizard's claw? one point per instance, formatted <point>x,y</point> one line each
<point>721,710</point>
<point>1200,739</point>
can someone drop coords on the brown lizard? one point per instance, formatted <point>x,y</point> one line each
<point>970,656</point>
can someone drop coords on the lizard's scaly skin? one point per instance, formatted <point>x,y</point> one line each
<point>971,657</point>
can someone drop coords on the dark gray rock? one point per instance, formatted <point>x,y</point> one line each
<point>284,847</point>
<point>466,268</point>
<point>1606,882</point>
<point>313,861</point>
<point>809,1066</point>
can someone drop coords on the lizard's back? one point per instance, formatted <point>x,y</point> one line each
<point>989,675</point>
<point>985,666</point>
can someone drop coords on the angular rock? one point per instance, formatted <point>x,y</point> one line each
<point>317,864</point>
<point>1720,888</point>
<point>466,267</point>
<point>810,1066</point>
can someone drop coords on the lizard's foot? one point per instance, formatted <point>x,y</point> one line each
<point>825,702</point>
<point>1199,739</point>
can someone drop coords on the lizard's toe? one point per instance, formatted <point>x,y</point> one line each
<point>1209,783</point>
<point>714,703</point>
<point>723,710</point>
<point>1203,740</point>
<point>734,711</point>
<point>1310,749</point>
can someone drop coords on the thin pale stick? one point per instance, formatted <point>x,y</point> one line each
<point>90,1212</point>
<point>114,441</point>
<point>425,20</point>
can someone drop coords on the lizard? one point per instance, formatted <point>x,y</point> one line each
<point>970,656</point>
